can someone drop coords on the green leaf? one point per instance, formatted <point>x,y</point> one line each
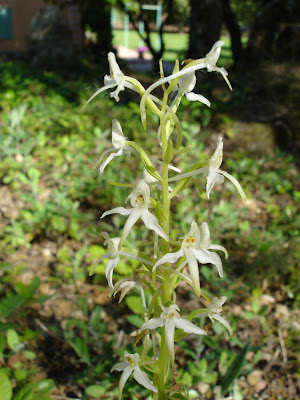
<point>95,318</point>
<point>45,386</point>
<point>234,369</point>
<point>30,355</point>
<point>81,349</point>
<point>26,393</point>
<point>135,304</point>
<point>135,320</point>
<point>2,343</point>
<point>13,340</point>
<point>95,390</point>
<point>5,387</point>
<point>146,161</point>
<point>181,185</point>
<point>9,304</point>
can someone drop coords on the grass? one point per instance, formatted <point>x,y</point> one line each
<point>176,45</point>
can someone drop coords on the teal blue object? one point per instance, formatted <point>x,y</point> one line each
<point>6,28</point>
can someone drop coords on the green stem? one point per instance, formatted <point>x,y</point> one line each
<point>164,359</point>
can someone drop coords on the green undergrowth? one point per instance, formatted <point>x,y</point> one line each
<point>51,193</point>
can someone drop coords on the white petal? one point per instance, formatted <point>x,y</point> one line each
<point>119,367</point>
<point>142,378</point>
<point>106,255</point>
<point>153,323</point>
<point>188,327</point>
<point>236,184</point>
<point>131,220</point>
<point>187,82</point>
<point>126,374</point>
<point>216,159</point>
<point>218,247</point>
<point>108,160</point>
<point>151,223</point>
<point>108,80</point>
<point>223,322</point>
<point>169,334</point>
<point>169,258</point>
<point>212,178</point>
<point>194,270</point>
<point>117,210</point>
<point>197,97</point>
<point>118,139</point>
<point>110,266</point>
<point>205,257</point>
<point>204,236</point>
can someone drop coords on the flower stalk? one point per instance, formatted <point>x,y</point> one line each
<point>165,265</point>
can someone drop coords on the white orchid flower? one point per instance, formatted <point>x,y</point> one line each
<point>140,200</point>
<point>214,310</point>
<point>123,286</point>
<point>209,62</point>
<point>170,319</point>
<point>114,255</point>
<point>216,175</point>
<point>212,58</point>
<point>195,248</point>
<point>116,78</point>
<point>213,172</point>
<point>119,144</point>
<point>185,87</point>
<point>131,365</point>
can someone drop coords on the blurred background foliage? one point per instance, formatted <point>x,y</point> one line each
<point>59,333</point>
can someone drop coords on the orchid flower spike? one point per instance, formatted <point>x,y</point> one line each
<point>170,319</point>
<point>116,78</point>
<point>119,144</point>
<point>114,255</point>
<point>140,200</point>
<point>214,310</point>
<point>211,60</point>
<point>195,248</point>
<point>131,365</point>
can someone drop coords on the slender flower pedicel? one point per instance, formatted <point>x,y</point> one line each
<point>163,258</point>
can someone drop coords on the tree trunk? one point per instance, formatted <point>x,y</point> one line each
<point>205,26</point>
<point>234,31</point>
<point>263,40</point>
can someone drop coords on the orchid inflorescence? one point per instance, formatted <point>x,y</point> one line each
<point>161,273</point>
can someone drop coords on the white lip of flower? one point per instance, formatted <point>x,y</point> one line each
<point>131,365</point>
<point>209,62</point>
<point>214,310</point>
<point>119,144</point>
<point>195,248</point>
<point>214,173</point>
<point>113,247</point>
<point>170,319</point>
<point>123,286</point>
<point>115,78</point>
<point>185,87</point>
<point>140,199</point>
